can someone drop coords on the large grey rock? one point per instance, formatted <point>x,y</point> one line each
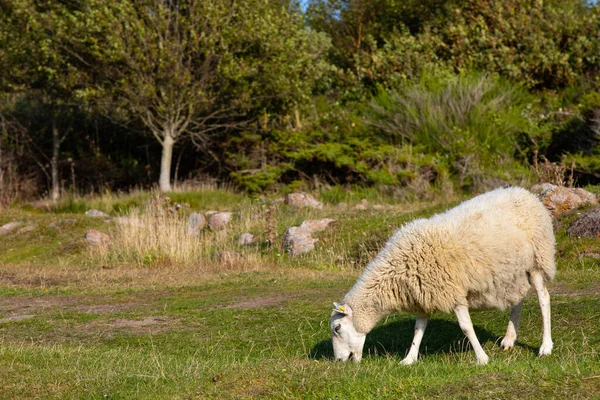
<point>220,220</point>
<point>7,228</point>
<point>246,239</point>
<point>560,199</point>
<point>587,225</point>
<point>301,199</point>
<point>196,222</point>
<point>97,238</point>
<point>297,240</point>
<point>96,214</point>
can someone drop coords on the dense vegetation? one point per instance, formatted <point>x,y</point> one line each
<point>410,96</point>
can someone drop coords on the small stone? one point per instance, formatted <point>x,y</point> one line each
<point>302,199</point>
<point>220,220</point>
<point>246,239</point>
<point>7,228</point>
<point>297,240</point>
<point>96,214</point>
<point>97,238</point>
<point>363,205</point>
<point>196,222</point>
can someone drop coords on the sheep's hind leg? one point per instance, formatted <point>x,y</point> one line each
<point>537,280</point>
<point>464,320</point>
<point>413,353</point>
<point>513,327</point>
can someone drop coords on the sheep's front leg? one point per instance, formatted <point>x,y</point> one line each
<point>413,353</point>
<point>537,280</point>
<point>513,327</point>
<point>464,320</point>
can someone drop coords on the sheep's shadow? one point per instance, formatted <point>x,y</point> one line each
<point>395,338</point>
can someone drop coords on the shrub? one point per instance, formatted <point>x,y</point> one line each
<point>470,122</point>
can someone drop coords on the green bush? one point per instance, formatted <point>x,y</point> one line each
<point>470,122</point>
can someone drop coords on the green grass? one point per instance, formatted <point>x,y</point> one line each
<point>70,328</point>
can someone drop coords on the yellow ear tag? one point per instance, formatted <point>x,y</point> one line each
<point>342,308</point>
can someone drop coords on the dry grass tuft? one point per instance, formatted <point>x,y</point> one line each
<point>153,233</point>
<point>557,173</point>
<point>157,234</point>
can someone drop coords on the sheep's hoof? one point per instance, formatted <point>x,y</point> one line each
<point>482,360</point>
<point>408,361</point>
<point>545,350</point>
<point>508,343</point>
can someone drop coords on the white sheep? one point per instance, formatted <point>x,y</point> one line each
<point>484,253</point>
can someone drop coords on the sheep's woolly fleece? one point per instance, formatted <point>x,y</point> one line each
<point>478,254</point>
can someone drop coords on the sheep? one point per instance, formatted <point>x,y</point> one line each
<point>485,253</point>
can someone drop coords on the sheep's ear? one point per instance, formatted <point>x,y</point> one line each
<point>342,309</point>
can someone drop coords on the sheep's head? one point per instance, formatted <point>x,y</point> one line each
<point>347,342</point>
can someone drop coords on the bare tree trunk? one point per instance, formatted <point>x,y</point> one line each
<point>298,121</point>
<point>55,190</point>
<point>164,182</point>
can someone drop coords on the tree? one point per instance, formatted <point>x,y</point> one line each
<point>192,66</point>
<point>36,62</point>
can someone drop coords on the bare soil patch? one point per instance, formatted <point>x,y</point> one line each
<point>561,289</point>
<point>96,304</point>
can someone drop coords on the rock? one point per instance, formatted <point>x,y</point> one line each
<point>246,239</point>
<point>131,221</point>
<point>302,199</point>
<point>210,213</point>
<point>7,228</point>
<point>196,222</point>
<point>364,205</point>
<point>540,188</point>
<point>219,220</point>
<point>297,240</point>
<point>96,214</point>
<point>587,225</point>
<point>560,199</point>
<point>97,238</point>
<point>316,225</point>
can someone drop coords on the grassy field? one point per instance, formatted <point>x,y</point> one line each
<point>74,324</point>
